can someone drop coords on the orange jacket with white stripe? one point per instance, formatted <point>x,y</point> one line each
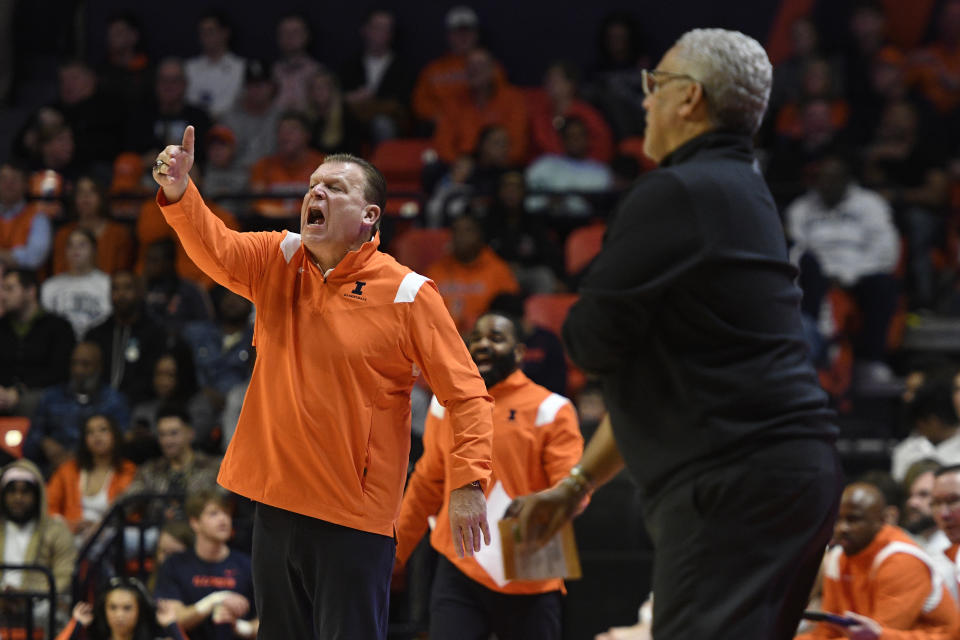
<point>536,441</point>
<point>325,425</point>
<point>892,581</point>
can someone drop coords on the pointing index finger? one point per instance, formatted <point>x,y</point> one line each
<point>188,138</point>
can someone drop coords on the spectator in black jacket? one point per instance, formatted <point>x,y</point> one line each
<point>690,318</point>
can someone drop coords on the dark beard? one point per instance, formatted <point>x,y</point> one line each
<point>501,367</point>
<point>920,524</point>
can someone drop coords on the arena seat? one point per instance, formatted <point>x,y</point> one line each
<point>633,146</point>
<point>549,310</point>
<point>401,161</point>
<point>419,248</point>
<point>582,246</point>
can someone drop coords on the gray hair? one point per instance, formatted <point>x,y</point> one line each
<point>735,73</point>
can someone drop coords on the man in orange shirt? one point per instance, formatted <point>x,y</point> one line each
<point>486,99</point>
<point>536,442</point>
<point>25,234</point>
<point>471,275</point>
<point>288,169</point>
<point>342,332</point>
<point>880,578</point>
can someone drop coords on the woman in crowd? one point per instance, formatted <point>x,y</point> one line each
<point>82,293</point>
<point>91,212</point>
<point>123,611</point>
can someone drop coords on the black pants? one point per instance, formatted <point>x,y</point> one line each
<point>317,580</point>
<point>462,609</point>
<point>736,549</point>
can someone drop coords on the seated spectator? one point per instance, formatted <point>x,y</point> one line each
<point>123,609</point>
<point>222,350</point>
<point>180,468</point>
<point>90,210</point>
<point>171,300</point>
<point>615,83</point>
<point>571,171</point>
<point>879,577</point>
<point>210,585</point>
<point>334,127</point>
<point>55,169</point>
<point>253,119</point>
<point>555,104</point>
<point>935,69</point>
<point>82,293</point>
<point>25,233</point>
<point>377,83</point>
<point>292,72</point>
<point>129,340</point>
<point>788,73</point>
<point>917,517</point>
<point>865,38</point>
<point>30,535</point>
<point>175,536</point>
<point>287,171</point>
<point>532,248</point>
<point>152,227</point>
<point>844,234</point>
<point>223,176</point>
<point>174,382</point>
<point>57,425</point>
<point>817,83</point>
<point>35,346</point>
<point>91,114</point>
<point>487,99</point>
<point>83,488</point>
<point>934,429</point>
<point>446,76</point>
<point>162,120</point>
<point>544,361</point>
<point>125,75</point>
<point>215,77</point>
<point>471,275</point>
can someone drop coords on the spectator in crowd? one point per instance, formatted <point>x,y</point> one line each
<point>529,246</point>
<point>844,234</point>
<point>334,126</point>
<point>125,75</point>
<point>935,69</point>
<point>788,73</point>
<point>130,341</point>
<point>888,85</point>
<point>215,77</point>
<point>164,118</point>
<point>487,99</point>
<point>210,585</point>
<point>880,578</point>
<point>536,442</point>
<point>24,231</point>
<point>817,83</point>
<point>175,536</point>
<point>945,505</point>
<point>57,425</point>
<point>574,170</point>
<point>471,275</point>
<point>30,535</point>
<point>933,428</point>
<point>175,383</point>
<point>445,77</point>
<point>544,361</point>
<point>293,70</point>
<point>83,488</point>
<point>170,299</point>
<point>615,82</point>
<point>377,83</point>
<point>123,610</point>
<point>906,167</point>
<point>91,114</point>
<point>180,468</point>
<point>35,345</point>
<point>288,170</point>
<point>82,293</point>
<point>551,108</point>
<point>56,166</point>
<point>223,176</point>
<point>222,350</point>
<point>867,35</point>
<point>253,119</point>
<point>91,211</point>
<point>917,518</point>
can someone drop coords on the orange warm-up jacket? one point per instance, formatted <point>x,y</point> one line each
<point>63,490</point>
<point>468,289</point>
<point>461,121</point>
<point>536,441</point>
<point>325,425</point>
<point>895,585</point>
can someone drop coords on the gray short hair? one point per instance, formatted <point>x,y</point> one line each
<point>735,72</point>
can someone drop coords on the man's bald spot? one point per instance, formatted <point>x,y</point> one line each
<point>865,497</point>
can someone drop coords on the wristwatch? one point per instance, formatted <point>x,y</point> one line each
<point>476,485</point>
<point>580,481</point>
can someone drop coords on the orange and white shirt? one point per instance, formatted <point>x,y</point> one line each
<point>536,441</point>
<point>325,425</point>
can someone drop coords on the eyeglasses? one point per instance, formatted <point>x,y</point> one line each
<point>653,80</point>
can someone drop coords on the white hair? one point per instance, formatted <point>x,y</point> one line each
<point>735,72</point>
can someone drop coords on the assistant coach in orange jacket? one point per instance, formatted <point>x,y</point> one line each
<point>342,332</point>
<point>536,440</point>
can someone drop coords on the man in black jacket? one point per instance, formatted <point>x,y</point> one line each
<point>690,317</point>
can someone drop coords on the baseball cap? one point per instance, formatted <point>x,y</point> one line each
<point>462,17</point>
<point>256,71</point>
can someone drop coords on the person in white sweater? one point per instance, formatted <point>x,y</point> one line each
<point>82,293</point>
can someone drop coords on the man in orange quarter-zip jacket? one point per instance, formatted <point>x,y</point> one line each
<point>342,332</point>
<point>536,441</point>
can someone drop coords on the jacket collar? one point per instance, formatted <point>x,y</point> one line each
<point>718,140</point>
<point>508,384</point>
<point>350,264</point>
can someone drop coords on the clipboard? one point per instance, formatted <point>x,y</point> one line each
<point>556,559</point>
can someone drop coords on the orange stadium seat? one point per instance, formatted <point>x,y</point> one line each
<point>582,246</point>
<point>634,147</point>
<point>419,248</point>
<point>549,310</point>
<point>401,162</point>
